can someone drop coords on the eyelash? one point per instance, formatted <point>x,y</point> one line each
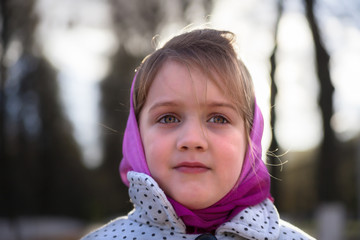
<point>224,119</point>
<point>163,118</point>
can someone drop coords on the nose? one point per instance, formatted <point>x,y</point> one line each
<point>192,137</point>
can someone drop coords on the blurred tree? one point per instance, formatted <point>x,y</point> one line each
<point>4,43</point>
<point>41,169</point>
<point>274,160</point>
<point>135,24</point>
<point>328,161</point>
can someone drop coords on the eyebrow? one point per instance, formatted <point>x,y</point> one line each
<point>222,104</point>
<point>163,104</point>
<point>212,104</point>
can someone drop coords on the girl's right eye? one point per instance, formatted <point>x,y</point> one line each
<point>168,119</point>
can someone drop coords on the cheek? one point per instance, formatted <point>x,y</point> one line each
<point>151,151</point>
<point>154,145</point>
<point>231,153</point>
<point>231,143</point>
<point>156,152</point>
<point>232,159</point>
<point>231,168</point>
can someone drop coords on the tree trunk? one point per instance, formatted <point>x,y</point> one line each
<point>273,160</point>
<point>5,173</point>
<point>328,159</point>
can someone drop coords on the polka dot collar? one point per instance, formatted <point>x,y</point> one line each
<point>151,205</point>
<point>153,208</point>
<point>254,222</point>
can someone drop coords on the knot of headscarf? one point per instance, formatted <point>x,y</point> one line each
<point>252,188</point>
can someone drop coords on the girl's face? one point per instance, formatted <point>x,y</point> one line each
<point>193,136</point>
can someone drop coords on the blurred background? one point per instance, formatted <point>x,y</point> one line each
<point>66,69</point>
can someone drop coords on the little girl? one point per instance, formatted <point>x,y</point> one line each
<point>192,148</point>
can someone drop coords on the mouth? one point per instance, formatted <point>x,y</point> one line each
<point>191,167</point>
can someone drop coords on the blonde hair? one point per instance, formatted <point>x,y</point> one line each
<point>210,51</point>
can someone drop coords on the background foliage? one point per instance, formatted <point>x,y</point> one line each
<point>43,170</point>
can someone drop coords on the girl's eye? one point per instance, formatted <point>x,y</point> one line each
<point>218,119</point>
<point>168,119</point>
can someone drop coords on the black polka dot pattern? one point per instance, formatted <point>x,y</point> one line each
<point>153,217</point>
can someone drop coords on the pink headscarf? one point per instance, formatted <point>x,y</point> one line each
<point>253,185</point>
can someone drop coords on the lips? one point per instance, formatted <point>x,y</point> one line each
<point>191,167</point>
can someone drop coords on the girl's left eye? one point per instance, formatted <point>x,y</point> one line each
<point>218,119</point>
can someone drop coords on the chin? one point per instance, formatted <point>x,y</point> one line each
<point>196,206</point>
<point>191,201</point>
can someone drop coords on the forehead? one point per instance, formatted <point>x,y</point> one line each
<point>178,80</point>
<point>193,70</point>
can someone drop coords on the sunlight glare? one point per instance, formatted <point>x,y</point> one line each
<point>298,125</point>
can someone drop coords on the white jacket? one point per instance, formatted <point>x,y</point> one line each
<point>154,218</point>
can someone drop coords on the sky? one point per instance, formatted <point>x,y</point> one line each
<point>81,54</point>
